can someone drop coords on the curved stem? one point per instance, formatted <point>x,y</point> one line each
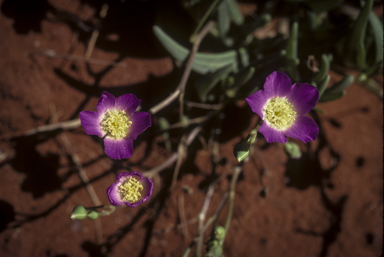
<point>231,197</point>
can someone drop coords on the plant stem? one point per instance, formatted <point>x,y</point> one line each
<point>191,136</point>
<point>193,38</point>
<point>188,67</point>
<point>235,176</point>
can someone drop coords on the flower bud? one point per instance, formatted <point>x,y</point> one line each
<point>293,150</point>
<point>79,213</point>
<point>241,151</point>
<point>93,215</point>
<point>219,233</point>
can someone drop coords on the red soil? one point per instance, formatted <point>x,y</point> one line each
<point>328,204</point>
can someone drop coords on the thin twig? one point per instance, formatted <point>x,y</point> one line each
<point>161,167</point>
<point>232,197</point>
<point>174,156</point>
<point>201,219</point>
<point>183,219</point>
<point>197,120</point>
<point>182,153</point>
<point>188,67</point>
<point>82,174</point>
<point>95,33</point>
<point>52,54</point>
<point>211,8</point>
<point>200,216</point>
<point>165,102</point>
<point>65,125</point>
<point>203,106</point>
<point>217,213</point>
<point>178,226</point>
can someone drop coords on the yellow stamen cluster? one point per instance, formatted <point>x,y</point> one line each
<point>130,190</point>
<point>279,113</point>
<point>116,123</point>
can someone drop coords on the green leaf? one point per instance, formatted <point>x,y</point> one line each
<point>223,18</point>
<point>241,151</point>
<point>244,57</point>
<point>374,68</point>
<point>324,68</point>
<point>355,50</point>
<point>240,79</point>
<point>292,42</point>
<point>185,120</point>
<point>361,57</point>
<point>317,109</point>
<point>235,12</point>
<point>319,6</point>
<point>323,85</point>
<point>203,63</point>
<point>377,31</point>
<point>206,83</point>
<point>341,85</point>
<point>293,150</point>
<point>361,26</point>
<point>331,96</point>
<point>291,57</point>
<point>164,124</point>
<point>371,85</point>
<point>243,77</point>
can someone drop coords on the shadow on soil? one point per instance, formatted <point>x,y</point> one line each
<point>308,171</point>
<point>40,170</point>
<point>7,214</point>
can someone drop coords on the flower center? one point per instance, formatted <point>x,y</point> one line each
<point>130,190</point>
<point>279,113</point>
<point>116,123</point>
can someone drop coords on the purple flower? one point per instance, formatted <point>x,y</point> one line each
<point>130,189</point>
<point>283,106</point>
<point>117,122</point>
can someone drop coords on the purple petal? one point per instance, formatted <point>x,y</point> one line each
<point>272,135</point>
<point>277,84</point>
<point>257,101</point>
<point>114,195</point>
<point>128,103</point>
<point>106,101</point>
<point>113,191</point>
<point>140,122</point>
<point>91,123</point>
<point>148,188</point>
<point>304,129</point>
<point>125,175</point>
<point>303,97</point>
<point>118,149</point>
